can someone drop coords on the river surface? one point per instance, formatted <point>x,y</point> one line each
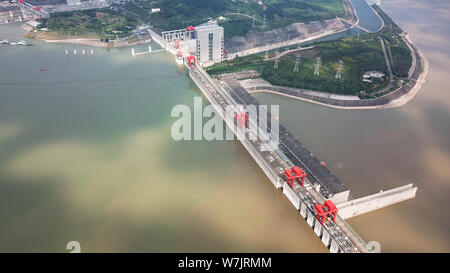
<point>368,19</point>
<point>86,155</point>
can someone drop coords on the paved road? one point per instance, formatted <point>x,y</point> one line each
<point>388,64</point>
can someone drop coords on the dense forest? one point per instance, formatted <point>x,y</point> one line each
<point>238,17</point>
<point>93,21</point>
<point>177,14</point>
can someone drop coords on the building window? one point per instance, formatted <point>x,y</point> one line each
<point>210,45</point>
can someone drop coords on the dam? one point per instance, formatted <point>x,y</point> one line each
<point>320,187</point>
<point>322,199</point>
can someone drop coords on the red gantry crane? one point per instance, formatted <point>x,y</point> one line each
<point>295,174</point>
<point>241,118</point>
<point>191,59</point>
<point>328,209</point>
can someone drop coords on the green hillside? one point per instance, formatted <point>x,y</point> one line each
<point>177,14</point>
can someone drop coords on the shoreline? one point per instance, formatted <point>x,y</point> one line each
<point>89,41</point>
<point>81,41</point>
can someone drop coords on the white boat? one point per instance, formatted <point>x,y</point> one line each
<point>179,60</point>
<point>74,52</point>
<point>24,43</point>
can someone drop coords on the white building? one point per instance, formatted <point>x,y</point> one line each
<point>373,74</point>
<point>209,43</point>
<point>369,75</point>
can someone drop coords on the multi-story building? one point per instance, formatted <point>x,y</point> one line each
<point>209,43</point>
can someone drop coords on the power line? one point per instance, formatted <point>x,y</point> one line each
<point>277,59</point>
<point>297,62</point>
<point>317,66</point>
<point>339,71</point>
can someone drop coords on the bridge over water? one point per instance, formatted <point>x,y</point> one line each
<point>338,235</point>
<point>320,184</point>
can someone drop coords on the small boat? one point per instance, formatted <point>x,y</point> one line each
<point>67,52</point>
<point>24,43</point>
<point>74,52</point>
<point>92,52</point>
<point>83,51</point>
<point>179,60</point>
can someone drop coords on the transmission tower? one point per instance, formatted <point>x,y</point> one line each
<point>275,65</point>
<point>297,62</point>
<point>317,66</point>
<point>339,71</point>
<point>277,60</point>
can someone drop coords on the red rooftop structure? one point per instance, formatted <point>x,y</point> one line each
<point>191,59</point>
<point>294,174</point>
<point>328,209</point>
<point>241,118</point>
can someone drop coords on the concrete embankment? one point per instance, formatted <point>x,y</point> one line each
<point>89,42</point>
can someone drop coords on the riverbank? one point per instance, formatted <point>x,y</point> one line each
<point>89,40</point>
<point>53,37</point>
